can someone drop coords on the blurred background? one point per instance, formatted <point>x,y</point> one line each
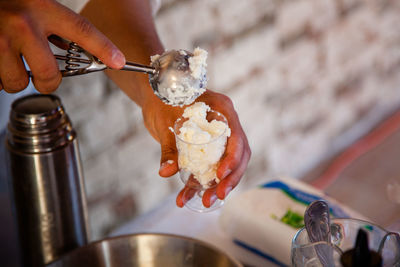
<point>307,77</point>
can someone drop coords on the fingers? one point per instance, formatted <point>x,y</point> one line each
<point>232,156</point>
<point>43,65</point>
<point>21,34</point>
<point>237,157</point>
<point>24,29</point>
<point>234,162</point>
<point>185,195</point>
<point>228,183</point>
<point>237,142</point>
<point>209,197</point>
<point>12,72</point>
<point>78,29</point>
<point>169,160</point>
<point>169,155</point>
<point>192,186</point>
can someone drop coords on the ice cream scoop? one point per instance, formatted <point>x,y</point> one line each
<point>170,74</point>
<point>177,77</point>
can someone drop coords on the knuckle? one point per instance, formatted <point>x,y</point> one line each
<point>47,78</point>
<point>83,25</point>
<point>238,157</point>
<point>47,73</point>
<point>168,150</point>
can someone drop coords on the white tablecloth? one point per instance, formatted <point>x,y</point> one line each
<point>167,218</point>
<point>245,227</point>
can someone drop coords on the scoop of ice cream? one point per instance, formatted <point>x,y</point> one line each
<point>181,76</point>
<point>201,143</point>
<point>198,63</point>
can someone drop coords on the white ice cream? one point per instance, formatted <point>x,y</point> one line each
<point>201,143</point>
<point>179,88</point>
<point>198,63</point>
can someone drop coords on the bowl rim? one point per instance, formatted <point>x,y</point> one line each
<point>127,236</point>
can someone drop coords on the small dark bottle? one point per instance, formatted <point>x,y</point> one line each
<point>361,255</point>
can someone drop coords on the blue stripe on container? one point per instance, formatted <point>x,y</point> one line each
<point>259,252</point>
<point>304,197</point>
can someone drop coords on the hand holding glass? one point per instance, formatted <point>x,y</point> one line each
<point>198,163</point>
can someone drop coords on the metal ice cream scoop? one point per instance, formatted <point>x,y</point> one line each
<point>169,74</point>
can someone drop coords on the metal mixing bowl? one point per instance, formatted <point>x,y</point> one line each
<point>147,250</point>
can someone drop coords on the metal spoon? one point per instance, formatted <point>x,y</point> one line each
<point>317,223</point>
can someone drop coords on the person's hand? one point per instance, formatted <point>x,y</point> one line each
<point>25,26</point>
<point>158,117</point>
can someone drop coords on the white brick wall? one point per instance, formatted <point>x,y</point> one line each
<point>307,78</point>
<point>231,64</point>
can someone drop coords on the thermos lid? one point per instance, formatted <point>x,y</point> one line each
<point>38,123</point>
<point>35,105</point>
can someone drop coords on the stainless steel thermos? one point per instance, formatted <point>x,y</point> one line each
<point>46,179</point>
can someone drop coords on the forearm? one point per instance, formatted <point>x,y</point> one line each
<point>129,25</point>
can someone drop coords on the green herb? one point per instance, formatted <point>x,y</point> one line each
<point>273,216</point>
<point>293,219</point>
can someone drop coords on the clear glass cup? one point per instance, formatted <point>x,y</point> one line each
<point>200,152</point>
<point>343,237</point>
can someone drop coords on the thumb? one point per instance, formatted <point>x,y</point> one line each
<point>169,156</point>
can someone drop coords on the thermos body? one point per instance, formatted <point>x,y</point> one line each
<point>46,180</point>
